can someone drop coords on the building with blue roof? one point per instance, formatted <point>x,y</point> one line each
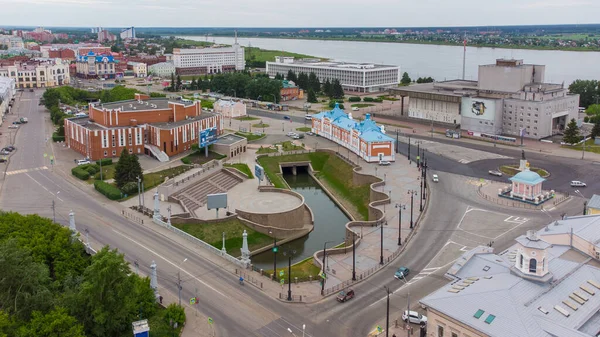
<point>526,186</point>
<point>94,65</point>
<point>364,138</point>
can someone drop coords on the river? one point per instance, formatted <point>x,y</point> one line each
<point>439,62</point>
<point>330,224</point>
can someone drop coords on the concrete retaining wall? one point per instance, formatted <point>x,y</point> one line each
<point>290,219</point>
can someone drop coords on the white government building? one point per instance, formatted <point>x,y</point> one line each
<point>211,60</point>
<point>162,69</point>
<point>359,77</point>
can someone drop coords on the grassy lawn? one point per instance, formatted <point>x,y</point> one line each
<point>212,233</point>
<point>156,178</point>
<point>108,172</point>
<point>198,157</point>
<point>589,147</point>
<point>250,136</point>
<point>511,170</point>
<point>388,98</point>
<point>304,129</point>
<point>289,146</point>
<point>246,118</point>
<point>243,168</point>
<point>263,150</point>
<point>160,326</point>
<point>260,125</point>
<point>302,270</point>
<point>361,105</point>
<point>264,55</point>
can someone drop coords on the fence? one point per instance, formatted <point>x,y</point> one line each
<point>249,278</point>
<point>504,201</point>
<point>132,217</point>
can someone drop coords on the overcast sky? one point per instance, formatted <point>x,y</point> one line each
<point>307,13</point>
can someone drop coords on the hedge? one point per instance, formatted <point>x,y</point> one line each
<point>80,173</point>
<point>130,188</point>
<point>368,99</point>
<point>104,162</point>
<point>91,168</point>
<point>109,191</point>
<point>354,99</point>
<point>57,138</point>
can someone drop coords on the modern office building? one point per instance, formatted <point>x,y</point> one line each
<point>510,98</point>
<point>546,285</point>
<point>128,33</point>
<point>211,60</point>
<point>364,138</point>
<point>154,126</point>
<point>162,69</point>
<point>95,66</point>
<point>37,74</point>
<point>363,77</point>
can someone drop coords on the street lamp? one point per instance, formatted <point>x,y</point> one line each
<point>409,149</point>
<point>323,270</point>
<point>381,246</point>
<point>387,312</point>
<point>353,256</point>
<point>179,279</point>
<point>303,328</point>
<point>421,199</point>
<point>584,202</point>
<point>412,193</point>
<point>290,331</point>
<point>407,303</point>
<point>275,249</point>
<point>289,254</point>
<point>400,208</point>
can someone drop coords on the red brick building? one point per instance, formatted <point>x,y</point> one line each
<point>65,54</point>
<point>158,127</point>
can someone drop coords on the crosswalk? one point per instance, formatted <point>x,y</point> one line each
<point>424,273</point>
<point>10,173</point>
<point>464,161</point>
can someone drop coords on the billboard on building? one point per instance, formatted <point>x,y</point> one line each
<point>208,137</point>
<point>478,108</point>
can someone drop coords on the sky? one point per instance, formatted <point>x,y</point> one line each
<point>306,13</point>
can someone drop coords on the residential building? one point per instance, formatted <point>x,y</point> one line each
<point>95,66</point>
<point>96,49</point>
<point>158,127</point>
<point>290,91</point>
<point>547,284</point>
<point>139,69</point>
<point>211,60</point>
<point>593,206</point>
<point>509,98</point>
<point>148,59</point>
<point>230,109</point>
<point>76,48</point>
<point>162,69</point>
<point>7,96</point>
<point>364,138</point>
<point>128,33</point>
<point>106,36</point>
<point>11,42</point>
<point>37,74</point>
<point>358,77</point>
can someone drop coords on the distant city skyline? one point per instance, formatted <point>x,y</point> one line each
<point>309,13</point>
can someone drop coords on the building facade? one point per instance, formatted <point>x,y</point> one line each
<point>162,69</point>
<point>509,98</point>
<point>128,33</point>
<point>37,74</point>
<point>212,60</point>
<point>290,91</point>
<point>230,109</point>
<point>11,42</point>
<point>106,36</point>
<point>364,138</point>
<point>7,96</point>
<point>155,126</point>
<point>139,69</point>
<point>95,66</point>
<point>352,76</point>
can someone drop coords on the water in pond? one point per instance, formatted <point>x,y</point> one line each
<point>329,224</point>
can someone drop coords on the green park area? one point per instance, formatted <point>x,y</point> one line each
<point>256,57</point>
<point>246,118</point>
<point>361,105</point>
<point>304,129</point>
<point>589,146</point>
<point>511,170</point>
<point>199,157</point>
<point>250,136</point>
<point>242,168</point>
<point>303,270</point>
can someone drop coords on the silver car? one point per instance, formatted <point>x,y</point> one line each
<point>495,173</point>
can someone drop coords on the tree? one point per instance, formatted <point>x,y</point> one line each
<point>279,77</point>
<point>291,76</point>
<point>571,134</point>
<point>175,313</point>
<point>56,323</point>
<point>114,48</point>
<point>179,83</point>
<point>588,91</point>
<point>194,84</point>
<point>596,129</point>
<point>302,81</point>
<point>312,98</point>
<point>338,91</point>
<point>328,89</point>
<point>128,169</point>
<point>593,110</point>
<point>313,82</point>
<point>405,79</point>
<point>172,86</point>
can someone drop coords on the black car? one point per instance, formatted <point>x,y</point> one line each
<point>2,160</point>
<point>17,122</point>
<point>9,148</point>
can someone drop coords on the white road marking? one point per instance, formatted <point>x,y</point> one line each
<point>516,220</point>
<point>10,173</point>
<point>47,190</point>
<point>171,263</point>
<point>464,161</point>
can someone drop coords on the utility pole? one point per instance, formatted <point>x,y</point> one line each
<point>387,313</point>
<point>412,194</point>
<point>179,285</point>
<point>400,208</point>
<point>139,194</point>
<point>353,256</point>
<point>381,248</point>
<point>53,212</point>
<point>421,199</point>
<point>409,149</point>
<point>324,278</point>
<point>583,150</point>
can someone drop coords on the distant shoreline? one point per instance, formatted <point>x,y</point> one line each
<point>435,43</point>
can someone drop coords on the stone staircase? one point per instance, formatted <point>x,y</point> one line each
<point>156,152</point>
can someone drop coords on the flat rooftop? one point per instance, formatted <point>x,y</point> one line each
<point>149,104</point>
<point>451,88</point>
<point>171,125</point>
<point>229,139</point>
<point>85,122</point>
<point>336,65</point>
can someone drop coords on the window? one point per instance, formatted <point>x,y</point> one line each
<point>114,152</point>
<point>532,265</point>
<point>454,334</point>
<point>114,141</point>
<point>105,153</point>
<point>130,140</point>
<point>440,331</point>
<point>130,151</point>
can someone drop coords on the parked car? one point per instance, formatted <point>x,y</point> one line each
<point>10,148</point>
<point>13,126</point>
<point>384,163</point>
<point>17,122</point>
<point>83,162</point>
<point>23,120</point>
<point>345,295</point>
<point>295,137</point>
<point>310,133</point>
<point>414,317</point>
<point>354,109</point>
<point>495,173</point>
<point>2,160</point>
<point>291,134</point>
<point>402,272</point>
<point>4,152</point>
<point>286,117</point>
<point>30,90</point>
<point>577,183</point>
<point>308,117</point>
<point>435,178</point>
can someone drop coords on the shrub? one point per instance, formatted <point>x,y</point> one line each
<point>91,168</point>
<point>354,99</point>
<point>175,313</point>
<point>368,99</point>
<point>378,100</point>
<point>80,173</point>
<point>186,160</point>
<point>105,161</point>
<point>130,188</point>
<point>57,138</point>
<point>109,191</point>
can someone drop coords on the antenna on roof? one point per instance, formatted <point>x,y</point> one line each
<point>235,36</point>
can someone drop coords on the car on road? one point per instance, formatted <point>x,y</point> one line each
<point>384,163</point>
<point>2,160</point>
<point>9,148</point>
<point>308,117</point>
<point>310,133</point>
<point>30,90</point>
<point>435,178</point>
<point>577,183</point>
<point>17,122</point>
<point>83,162</point>
<point>345,295</point>
<point>402,272</point>
<point>286,117</point>
<point>414,317</point>
<point>354,109</point>
<point>4,152</point>
<point>291,134</point>
<point>13,126</point>
<point>495,173</point>
<point>295,137</point>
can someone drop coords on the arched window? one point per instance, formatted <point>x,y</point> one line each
<point>532,265</point>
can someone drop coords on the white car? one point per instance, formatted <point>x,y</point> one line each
<point>308,117</point>
<point>291,134</point>
<point>354,109</point>
<point>414,317</point>
<point>13,126</point>
<point>83,162</point>
<point>577,183</point>
<point>384,163</point>
<point>435,178</point>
